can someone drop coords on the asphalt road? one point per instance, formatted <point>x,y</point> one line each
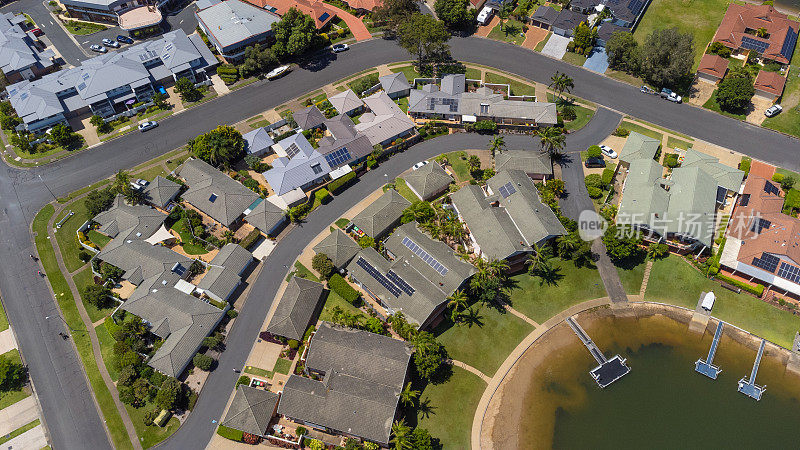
<point>53,366</point>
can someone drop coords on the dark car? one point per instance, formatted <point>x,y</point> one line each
<point>594,162</point>
<point>124,39</point>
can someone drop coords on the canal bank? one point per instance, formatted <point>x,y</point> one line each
<point>548,397</point>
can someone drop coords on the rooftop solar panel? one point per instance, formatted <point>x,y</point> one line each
<point>373,272</point>
<point>400,282</point>
<point>770,188</point>
<point>789,272</point>
<point>754,44</point>
<point>425,256</point>
<point>766,262</point>
<point>788,44</point>
<point>759,224</point>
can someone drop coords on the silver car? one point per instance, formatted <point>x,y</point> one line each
<point>149,125</point>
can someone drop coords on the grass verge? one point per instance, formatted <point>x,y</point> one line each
<point>453,405</point>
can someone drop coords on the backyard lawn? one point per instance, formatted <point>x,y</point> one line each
<point>697,17</point>
<point>98,238</point>
<point>334,300</point>
<point>542,301</point>
<point>67,236</point>
<point>453,405</point>
<point>742,310</point>
<point>459,165</point>
<point>85,278</point>
<point>483,345</point>
<point>510,31</point>
<point>402,102</point>
<point>186,238</point>
<point>517,87</point>
<point>152,434</point>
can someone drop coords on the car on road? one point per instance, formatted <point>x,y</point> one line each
<point>608,151</point>
<point>647,90</point>
<point>594,163</point>
<point>124,39</point>
<point>773,110</point>
<point>338,48</point>
<point>110,42</point>
<point>37,32</point>
<point>419,165</point>
<point>277,72</point>
<point>98,48</point>
<point>149,125</point>
<point>671,96</point>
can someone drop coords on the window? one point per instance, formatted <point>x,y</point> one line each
<point>317,169</point>
<point>484,108</point>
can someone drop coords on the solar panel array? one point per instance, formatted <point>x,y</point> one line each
<point>767,262</point>
<point>789,272</point>
<point>759,224</point>
<point>425,256</point>
<point>754,44</point>
<point>378,277</point>
<point>451,103</point>
<point>745,199</point>
<point>338,157</point>
<point>636,6</point>
<point>789,43</point>
<point>292,151</point>
<point>507,189</point>
<point>400,282</point>
<point>770,188</point>
<point>324,16</point>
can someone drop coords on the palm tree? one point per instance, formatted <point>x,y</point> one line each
<point>568,243</point>
<point>457,301</point>
<point>402,435</point>
<point>473,163</point>
<point>761,32</point>
<point>561,83</point>
<point>552,141</point>
<point>496,146</point>
<point>539,259</point>
<point>408,395</point>
<point>131,195</point>
<point>122,181</point>
<point>227,235</point>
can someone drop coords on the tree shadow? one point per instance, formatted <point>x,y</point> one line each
<point>550,275</point>
<point>318,61</point>
<point>631,262</point>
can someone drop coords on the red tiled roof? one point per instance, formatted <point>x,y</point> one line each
<point>739,18</point>
<point>713,65</point>
<point>314,8</point>
<point>368,5</point>
<point>771,82</point>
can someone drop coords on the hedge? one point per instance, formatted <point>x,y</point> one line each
<point>230,433</point>
<point>757,290</point>
<point>607,177</point>
<point>744,165</point>
<point>338,184</point>
<point>343,288</point>
<point>323,196</point>
<point>250,239</point>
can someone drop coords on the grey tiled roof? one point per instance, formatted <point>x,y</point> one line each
<point>232,21</point>
<point>233,257</point>
<point>545,14</point>
<point>161,191</point>
<point>529,161</point>
<point>141,260</point>
<point>344,135</point>
<point>339,247</point>
<point>385,122</point>
<point>394,83</point>
<point>138,221</point>
<point>296,308</point>
<point>379,216</point>
<point>346,101</point>
<point>305,166</point>
<point>251,410</point>
<point>17,49</point>
<point>309,118</point>
<point>219,281</point>
<point>638,146</point>
<point>428,181</point>
<point>214,193</point>
<point>266,216</point>
<point>364,375</point>
<point>257,141</point>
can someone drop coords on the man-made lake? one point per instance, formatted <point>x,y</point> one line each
<point>661,403</point>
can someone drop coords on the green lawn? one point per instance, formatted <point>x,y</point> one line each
<point>453,405</point>
<point>517,87</point>
<point>258,123</point>
<point>8,398</point>
<point>511,32</point>
<point>574,59</point>
<point>789,120</point>
<point>472,73</point>
<point>153,434</point>
<point>98,238</point>
<point>342,222</point>
<point>409,71</point>
<point>624,77</point>
<point>486,345</point>
<point>582,116</point>
<point>631,276</point>
<point>542,301</point>
<point>459,165</point>
<point>19,431</point>
<point>334,300</point>
<point>173,164</point>
<point>630,126</point>
<point>357,80</point>
<point>301,270</point>
<point>699,18</point>
<point>186,238</point>
<point>541,44</point>
<point>402,103</point>
<point>151,173</point>
<point>67,236</point>
<point>678,143</point>
<point>712,104</point>
<point>401,187</point>
<point>3,318</point>
<point>282,366</point>
<point>107,349</point>
<point>85,278</point>
<point>675,281</point>
<point>83,28</point>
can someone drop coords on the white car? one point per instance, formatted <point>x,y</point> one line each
<point>773,110</point>
<point>338,48</point>
<point>277,72</point>
<point>111,43</point>
<point>98,48</point>
<point>149,125</point>
<point>418,165</point>
<point>608,151</point>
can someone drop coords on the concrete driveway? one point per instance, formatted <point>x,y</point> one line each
<point>556,46</point>
<point>597,61</point>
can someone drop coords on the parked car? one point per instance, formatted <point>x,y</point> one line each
<point>277,72</point>
<point>149,125</point>
<point>418,165</point>
<point>773,110</point>
<point>485,15</point>
<point>124,39</point>
<point>98,48</point>
<point>671,96</point>
<point>110,42</point>
<point>608,151</point>
<point>647,90</point>
<point>338,48</point>
<point>594,162</point>
<point>161,89</point>
<point>37,32</point>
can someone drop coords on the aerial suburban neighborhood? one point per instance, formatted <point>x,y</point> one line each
<point>366,224</point>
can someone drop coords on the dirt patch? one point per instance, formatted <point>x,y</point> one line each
<point>533,36</point>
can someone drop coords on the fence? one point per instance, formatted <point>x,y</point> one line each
<point>371,90</point>
<point>129,113</point>
<point>276,125</point>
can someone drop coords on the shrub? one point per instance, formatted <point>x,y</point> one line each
<point>757,290</point>
<point>202,362</point>
<point>339,285</point>
<point>777,177</point>
<point>366,241</point>
<point>594,152</point>
<point>716,48</point>
<point>245,380</point>
<point>485,127</point>
<point>293,344</point>
<point>323,195</point>
<point>301,431</point>
<point>621,132</point>
<point>323,265</point>
<point>594,192</point>
<point>230,433</point>
<point>593,180</point>
<point>671,160</point>
<point>607,177</point>
<point>338,184</point>
<point>252,185</point>
<point>250,239</point>
<point>232,314</point>
<point>744,165</point>
<point>371,163</point>
<point>787,183</point>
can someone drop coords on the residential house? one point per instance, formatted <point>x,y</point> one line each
<point>507,219</point>
<point>739,31</point>
<point>583,6</point>
<point>251,410</point>
<point>625,13</point>
<point>161,192</point>
<point>566,21</point>
<point>298,166</point>
<point>416,279</point>
<point>343,144</point>
<point>316,9</point>
<point>233,25</point>
<point>267,217</point>
<point>762,243</point>
<point>215,194</point>
<point>102,85</point>
<point>606,30</point>
<point>225,272</point>
<point>258,142</point>
<point>712,68</point>
<point>339,247</point>
<point>769,85</point>
<point>347,102</point>
<point>134,16</point>
<point>638,146</point>
<point>364,6</point>
<point>395,85</point>
<point>309,118</point>
<point>22,56</point>
<point>362,375</point>
<point>543,17</point>
<point>385,122</point>
<point>380,216</point>
<point>429,181</point>
<point>296,308</point>
<point>535,164</point>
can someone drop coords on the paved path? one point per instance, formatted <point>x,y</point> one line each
<point>520,315</point>
<point>7,342</point>
<point>471,369</point>
<point>556,46</point>
<point>645,279</point>
<point>30,440</point>
<point>19,414</point>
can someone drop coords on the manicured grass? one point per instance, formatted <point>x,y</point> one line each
<point>540,301</point>
<point>510,31</point>
<point>541,44</point>
<point>151,173</point>
<point>85,278</point>
<point>409,71</point>
<point>19,431</point>
<point>402,188</point>
<point>574,59</point>
<point>402,103</point>
<point>675,281</point>
<point>282,366</point>
<point>665,129</point>
<point>67,236</point>
<point>83,28</point>
<point>699,18</point>
<point>357,80</point>
<point>472,73</point>
<point>186,238</point>
<point>453,405</point>
<point>301,270</point>
<point>483,345</point>
<point>258,372</point>
<point>153,434</point>
<point>342,222</point>
<point>82,191</point>
<point>582,116</point>
<point>334,300</point>
<point>624,77</point>
<point>107,349</point>
<point>789,120</point>
<point>712,104</point>
<point>98,238</point>
<point>630,126</point>
<point>173,164</point>
<point>517,88</point>
<point>259,123</point>
<point>678,143</point>
<point>459,165</point>
<point>69,311</point>
<point>8,398</point>
<point>632,275</point>
<point>3,318</point>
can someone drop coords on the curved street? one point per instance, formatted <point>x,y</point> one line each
<point>66,400</point>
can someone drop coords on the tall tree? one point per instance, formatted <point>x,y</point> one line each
<point>294,34</point>
<point>426,38</point>
<point>735,90</point>
<point>496,146</point>
<point>455,14</point>
<point>552,141</point>
<point>474,163</point>
<point>584,37</point>
<point>623,52</point>
<point>667,57</point>
<point>561,82</point>
<point>394,12</point>
<point>408,395</point>
<point>219,147</point>
<point>457,302</point>
<point>401,435</point>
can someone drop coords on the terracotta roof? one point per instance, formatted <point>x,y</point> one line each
<point>369,5</point>
<point>713,65</point>
<point>771,82</point>
<point>320,12</point>
<point>781,32</point>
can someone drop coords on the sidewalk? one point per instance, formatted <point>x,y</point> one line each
<point>7,343</point>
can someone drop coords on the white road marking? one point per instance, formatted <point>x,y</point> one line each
<point>51,23</point>
<point>85,42</point>
<point>41,25</point>
<point>181,22</point>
